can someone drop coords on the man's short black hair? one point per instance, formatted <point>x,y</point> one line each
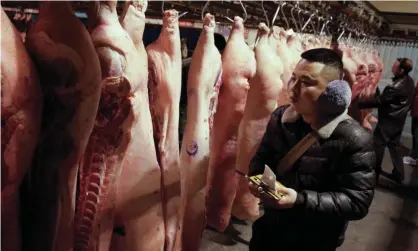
<point>405,64</point>
<point>325,56</point>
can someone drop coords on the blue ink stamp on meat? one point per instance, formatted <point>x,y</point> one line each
<point>191,148</point>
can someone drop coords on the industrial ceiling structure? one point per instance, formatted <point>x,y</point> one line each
<point>360,18</point>
<point>397,12</point>
<point>402,16</point>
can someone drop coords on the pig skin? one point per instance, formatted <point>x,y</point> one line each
<point>202,89</point>
<point>69,72</point>
<point>136,200</point>
<point>164,83</point>
<point>238,66</point>
<point>21,115</point>
<point>261,102</point>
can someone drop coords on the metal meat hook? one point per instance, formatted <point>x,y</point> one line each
<point>339,37</point>
<point>314,28</point>
<point>265,14</point>
<point>18,14</point>
<point>245,13</point>
<point>364,37</point>
<point>284,16</point>
<point>307,22</point>
<point>182,14</point>
<point>275,15</point>
<point>320,18</point>
<point>178,17</point>
<point>204,8</point>
<point>299,20</point>
<point>323,26</point>
<point>326,25</point>
<point>294,19</point>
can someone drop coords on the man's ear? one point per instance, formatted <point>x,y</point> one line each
<point>336,97</point>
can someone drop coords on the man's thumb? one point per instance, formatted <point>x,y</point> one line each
<point>281,189</point>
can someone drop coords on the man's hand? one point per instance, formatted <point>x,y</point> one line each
<point>367,125</point>
<point>372,119</point>
<point>368,120</point>
<point>254,189</point>
<point>287,201</point>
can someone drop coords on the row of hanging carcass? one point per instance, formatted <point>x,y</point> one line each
<point>90,155</point>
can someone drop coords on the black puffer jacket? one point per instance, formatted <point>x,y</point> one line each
<point>334,179</point>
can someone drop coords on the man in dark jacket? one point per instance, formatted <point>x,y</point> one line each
<point>333,181</point>
<point>413,155</point>
<point>393,105</point>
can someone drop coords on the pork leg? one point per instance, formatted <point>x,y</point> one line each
<point>123,123</point>
<point>139,201</point>
<point>294,44</point>
<point>261,102</point>
<point>21,114</point>
<point>164,83</point>
<point>358,88</point>
<point>132,20</point>
<point>70,78</point>
<point>203,82</point>
<point>350,72</point>
<point>370,88</point>
<point>285,54</point>
<point>238,66</point>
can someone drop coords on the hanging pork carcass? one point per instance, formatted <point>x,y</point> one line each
<point>70,73</point>
<point>164,84</point>
<point>265,87</point>
<point>238,66</point>
<point>120,176</point>
<point>21,114</point>
<point>204,81</point>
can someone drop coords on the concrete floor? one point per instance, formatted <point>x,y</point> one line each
<point>391,225</point>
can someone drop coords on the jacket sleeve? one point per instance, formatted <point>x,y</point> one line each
<point>270,149</point>
<point>414,106</point>
<point>388,96</point>
<point>355,189</point>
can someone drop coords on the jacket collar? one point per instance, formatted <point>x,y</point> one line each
<point>291,116</point>
<point>396,79</point>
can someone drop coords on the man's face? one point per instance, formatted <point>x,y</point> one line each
<point>308,82</point>
<point>395,67</point>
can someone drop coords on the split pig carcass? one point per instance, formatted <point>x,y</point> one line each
<point>265,87</point>
<point>369,89</point>
<point>360,85</point>
<point>69,72</point>
<point>164,84</point>
<point>21,115</point>
<point>238,66</point>
<point>120,177</point>
<point>287,56</point>
<point>204,81</point>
